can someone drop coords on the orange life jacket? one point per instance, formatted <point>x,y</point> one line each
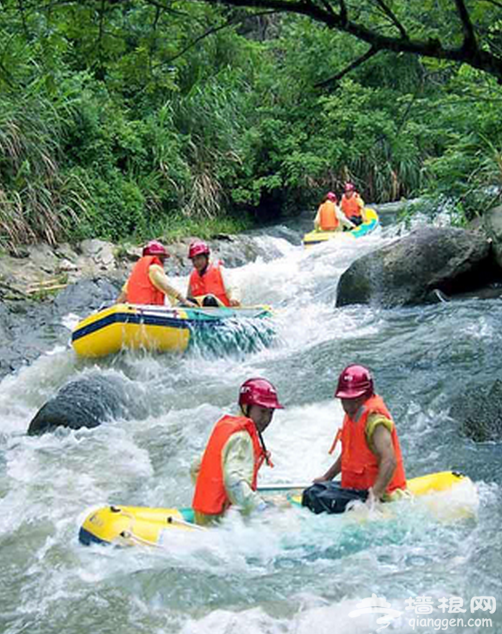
<point>210,283</point>
<point>359,463</point>
<point>351,207</point>
<point>327,216</point>
<point>210,496</point>
<point>140,289</point>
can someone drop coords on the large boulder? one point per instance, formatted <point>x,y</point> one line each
<point>85,402</point>
<point>409,270</point>
<point>492,223</point>
<point>479,412</point>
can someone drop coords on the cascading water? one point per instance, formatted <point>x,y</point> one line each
<point>291,571</point>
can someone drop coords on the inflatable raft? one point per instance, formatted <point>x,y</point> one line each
<point>164,329</point>
<point>135,525</point>
<point>319,237</point>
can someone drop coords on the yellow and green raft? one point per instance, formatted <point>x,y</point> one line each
<point>165,329</point>
<point>319,237</point>
<point>136,525</point>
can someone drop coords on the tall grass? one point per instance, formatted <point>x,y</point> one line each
<point>38,201</point>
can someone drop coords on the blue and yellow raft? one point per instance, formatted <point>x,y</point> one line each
<point>319,237</point>
<point>136,525</point>
<point>158,328</point>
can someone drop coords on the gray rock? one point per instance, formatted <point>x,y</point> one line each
<point>91,248</point>
<point>86,402</point>
<point>29,329</point>
<point>101,252</point>
<point>130,253</point>
<point>86,296</point>
<point>42,257</point>
<point>492,222</point>
<point>407,271</point>
<point>479,411</point>
<point>66,266</point>
<point>66,252</point>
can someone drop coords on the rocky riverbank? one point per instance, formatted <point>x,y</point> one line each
<point>39,270</point>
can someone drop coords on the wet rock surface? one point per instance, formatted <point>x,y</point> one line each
<point>411,269</point>
<point>30,328</point>
<point>86,402</point>
<point>492,224</point>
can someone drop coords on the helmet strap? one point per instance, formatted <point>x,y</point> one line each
<point>264,447</point>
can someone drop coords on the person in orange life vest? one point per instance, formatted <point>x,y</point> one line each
<point>352,205</point>
<point>209,280</point>
<point>227,473</point>
<point>329,217</point>
<point>148,283</point>
<point>370,463</point>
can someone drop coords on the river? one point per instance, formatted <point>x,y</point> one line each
<point>290,572</point>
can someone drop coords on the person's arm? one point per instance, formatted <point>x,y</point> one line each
<point>238,464</point>
<point>195,468</point>
<point>122,298</point>
<point>332,472</point>
<point>383,448</point>
<point>231,288</point>
<point>159,279</point>
<point>344,221</point>
<point>362,207</point>
<point>317,219</point>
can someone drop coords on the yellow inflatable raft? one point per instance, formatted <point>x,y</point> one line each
<point>158,328</point>
<point>369,225</point>
<point>135,525</point>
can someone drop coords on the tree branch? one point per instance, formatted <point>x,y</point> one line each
<point>357,62</point>
<point>393,18</point>
<point>343,13</point>
<point>470,42</point>
<point>418,89</point>
<point>478,58</point>
<point>327,6</point>
<point>212,31</point>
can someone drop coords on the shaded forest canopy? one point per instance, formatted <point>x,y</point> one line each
<point>123,119</point>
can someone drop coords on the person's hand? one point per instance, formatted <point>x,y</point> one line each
<point>235,303</point>
<point>322,478</point>
<point>372,500</point>
<point>188,303</point>
<point>264,507</point>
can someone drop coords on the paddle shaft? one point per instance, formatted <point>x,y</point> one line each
<point>284,487</point>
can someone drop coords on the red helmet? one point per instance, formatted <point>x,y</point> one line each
<point>331,196</point>
<point>354,381</point>
<point>154,247</point>
<point>259,392</point>
<point>198,248</point>
<point>349,187</point>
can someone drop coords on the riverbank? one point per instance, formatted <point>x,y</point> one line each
<point>39,271</point>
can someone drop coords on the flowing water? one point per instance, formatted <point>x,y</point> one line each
<point>289,571</point>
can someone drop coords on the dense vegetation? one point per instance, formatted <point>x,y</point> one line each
<point>133,119</point>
